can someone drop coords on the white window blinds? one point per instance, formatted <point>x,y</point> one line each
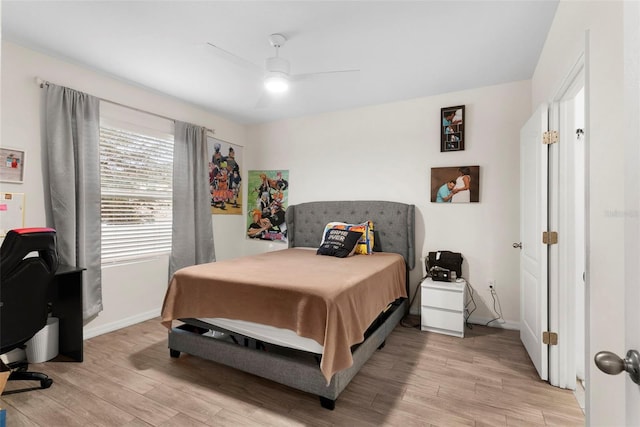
<point>136,185</point>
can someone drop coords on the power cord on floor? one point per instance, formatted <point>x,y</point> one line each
<point>496,306</point>
<point>403,320</point>
<point>466,307</point>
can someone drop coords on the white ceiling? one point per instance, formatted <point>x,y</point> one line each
<point>403,49</point>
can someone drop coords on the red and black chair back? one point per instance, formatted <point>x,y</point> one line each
<point>28,262</point>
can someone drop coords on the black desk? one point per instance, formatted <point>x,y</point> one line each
<point>65,297</point>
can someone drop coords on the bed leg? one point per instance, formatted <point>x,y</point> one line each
<point>174,353</point>
<point>381,346</point>
<point>327,403</point>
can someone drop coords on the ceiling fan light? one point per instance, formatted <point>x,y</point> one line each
<point>276,82</point>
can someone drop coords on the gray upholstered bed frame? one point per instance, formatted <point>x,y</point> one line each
<point>394,226</point>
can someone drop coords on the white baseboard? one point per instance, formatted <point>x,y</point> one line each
<point>503,324</point>
<point>122,323</point>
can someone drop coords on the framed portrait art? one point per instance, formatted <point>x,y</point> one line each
<point>11,165</point>
<point>455,184</point>
<point>452,128</point>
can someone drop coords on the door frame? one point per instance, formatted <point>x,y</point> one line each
<point>562,258</point>
<point>632,200</point>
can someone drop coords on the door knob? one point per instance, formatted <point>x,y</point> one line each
<point>611,364</point>
<point>517,245</point>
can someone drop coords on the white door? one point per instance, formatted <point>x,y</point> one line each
<point>631,215</point>
<point>631,297</point>
<point>533,253</point>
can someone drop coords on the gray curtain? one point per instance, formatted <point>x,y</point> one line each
<point>72,137</point>
<point>192,233</point>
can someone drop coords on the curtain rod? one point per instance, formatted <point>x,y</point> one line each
<point>42,83</point>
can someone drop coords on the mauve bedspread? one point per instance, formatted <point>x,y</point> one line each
<point>331,300</point>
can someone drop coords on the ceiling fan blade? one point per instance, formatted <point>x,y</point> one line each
<point>232,57</point>
<point>297,77</point>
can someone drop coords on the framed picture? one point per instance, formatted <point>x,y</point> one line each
<point>11,165</point>
<point>456,184</point>
<point>452,128</point>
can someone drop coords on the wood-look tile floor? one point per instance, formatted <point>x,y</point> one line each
<point>418,379</point>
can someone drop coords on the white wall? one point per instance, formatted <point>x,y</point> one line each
<point>382,152</point>
<point>605,142</point>
<point>385,152</point>
<point>131,292</point>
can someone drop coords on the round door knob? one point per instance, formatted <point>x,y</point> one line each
<point>611,364</point>
<point>518,245</point>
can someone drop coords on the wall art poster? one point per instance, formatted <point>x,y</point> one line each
<point>268,194</point>
<point>457,184</point>
<point>225,177</point>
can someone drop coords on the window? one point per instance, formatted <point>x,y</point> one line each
<point>136,166</point>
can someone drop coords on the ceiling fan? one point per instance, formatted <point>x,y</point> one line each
<point>276,71</point>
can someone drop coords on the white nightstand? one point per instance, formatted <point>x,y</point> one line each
<point>442,307</point>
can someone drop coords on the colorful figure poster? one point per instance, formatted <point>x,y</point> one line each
<point>225,177</point>
<point>268,195</point>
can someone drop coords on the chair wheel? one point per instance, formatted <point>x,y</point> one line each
<point>46,383</point>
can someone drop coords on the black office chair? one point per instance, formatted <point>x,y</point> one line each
<point>28,262</point>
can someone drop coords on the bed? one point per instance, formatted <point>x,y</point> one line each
<point>324,334</point>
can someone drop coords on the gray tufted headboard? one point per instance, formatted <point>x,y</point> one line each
<point>393,222</point>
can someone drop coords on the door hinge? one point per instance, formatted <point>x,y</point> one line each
<point>550,237</point>
<point>549,338</point>
<point>550,137</point>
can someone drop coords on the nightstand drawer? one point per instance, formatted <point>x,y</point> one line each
<point>443,320</point>
<point>443,298</point>
<point>442,307</point>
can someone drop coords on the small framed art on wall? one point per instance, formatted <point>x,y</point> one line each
<point>12,165</point>
<point>452,128</point>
